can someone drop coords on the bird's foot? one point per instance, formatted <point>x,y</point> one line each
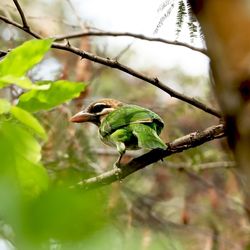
<point>117,164</point>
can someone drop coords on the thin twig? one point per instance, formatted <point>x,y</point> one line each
<point>21,13</point>
<point>75,14</point>
<point>201,166</point>
<point>215,165</point>
<point>32,33</point>
<point>183,143</point>
<point>139,36</point>
<point>123,51</point>
<point>172,165</point>
<point>115,64</point>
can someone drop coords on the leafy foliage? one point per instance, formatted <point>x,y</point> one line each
<point>184,17</point>
<point>58,92</point>
<point>21,158</point>
<point>32,203</point>
<point>4,106</point>
<point>193,25</point>
<point>166,6</point>
<point>21,150</point>
<point>180,17</point>
<point>23,58</point>
<point>18,61</point>
<point>29,120</point>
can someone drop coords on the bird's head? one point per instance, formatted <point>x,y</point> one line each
<point>96,111</point>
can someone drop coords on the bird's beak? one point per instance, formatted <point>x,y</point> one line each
<point>83,116</point>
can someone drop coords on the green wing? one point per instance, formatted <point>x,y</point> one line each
<point>130,114</point>
<point>147,137</point>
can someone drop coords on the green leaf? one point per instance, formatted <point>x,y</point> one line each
<point>29,120</point>
<point>59,92</point>
<point>33,178</point>
<point>23,82</point>
<point>20,156</point>
<point>66,215</point>
<point>21,142</point>
<point>21,59</point>
<point>4,106</point>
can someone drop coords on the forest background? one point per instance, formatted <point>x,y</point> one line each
<point>57,57</point>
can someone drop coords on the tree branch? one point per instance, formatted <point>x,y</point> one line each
<point>17,25</point>
<point>172,165</point>
<point>181,144</point>
<point>115,64</point>
<point>154,81</point>
<point>3,53</point>
<point>20,11</point>
<point>139,36</point>
<point>201,166</point>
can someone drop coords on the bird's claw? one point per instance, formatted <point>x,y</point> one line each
<point>117,164</point>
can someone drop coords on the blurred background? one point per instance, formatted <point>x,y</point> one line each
<point>190,200</point>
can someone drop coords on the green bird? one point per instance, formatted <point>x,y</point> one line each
<point>124,126</point>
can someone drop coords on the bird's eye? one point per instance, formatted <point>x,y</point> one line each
<point>98,107</point>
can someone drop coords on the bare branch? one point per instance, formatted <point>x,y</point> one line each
<point>3,53</point>
<point>183,143</point>
<point>75,14</point>
<point>201,166</point>
<point>8,21</point>
<point>24,21</point>
<point>139,36</point>
<point>115,64</point>
<point>154,81</point>
<point>215,165</point>
<point>172,165</point>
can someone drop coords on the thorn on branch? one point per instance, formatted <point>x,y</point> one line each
<point>68,43</point>
<point>156,80</point>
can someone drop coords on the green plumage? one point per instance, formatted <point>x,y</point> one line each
<point>132,127</point>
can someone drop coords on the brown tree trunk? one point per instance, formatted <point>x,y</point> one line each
<point>226,26</point>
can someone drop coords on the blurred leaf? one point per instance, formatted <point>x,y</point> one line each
<point>29,120</point>
<point>108,238</point>
<point>33,178</point>
<point>20,155</point>
<point>4,106</point>
<point>59,92</point>
<point>65,215</point>
<point>10,204</point>
<point>21,59</point>
<point>23,82</point>
<point>22,143</point>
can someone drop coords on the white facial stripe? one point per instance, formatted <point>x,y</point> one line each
<point>99,103</point>
<point>98,107</point>
<point>106,111</point>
